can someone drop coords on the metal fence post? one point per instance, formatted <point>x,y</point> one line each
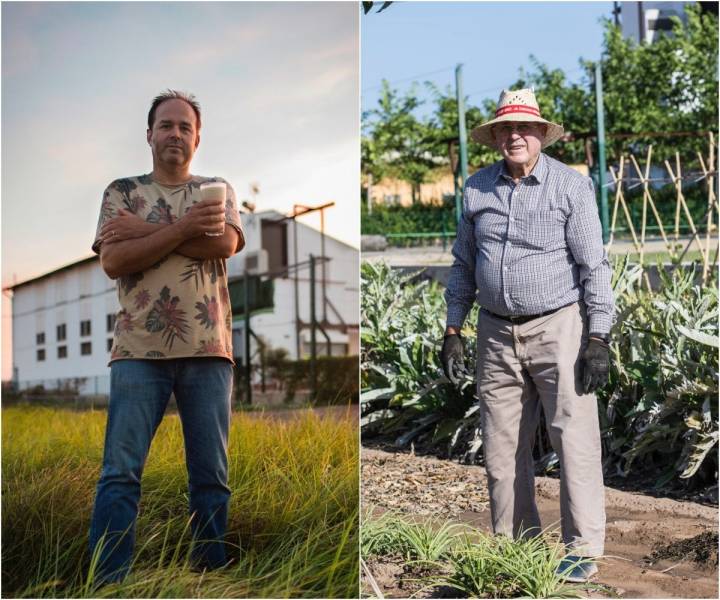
<point>313,339</point>
<point>248,382</point>
<point>462,134</point>
<point>602,167</point>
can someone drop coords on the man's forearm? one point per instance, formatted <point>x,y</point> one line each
<point>138,254</point>
<point>209,247</point>
<point>202,246</point>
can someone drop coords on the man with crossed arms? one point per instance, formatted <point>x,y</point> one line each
<point>529,249</point>
<point>167,249</point>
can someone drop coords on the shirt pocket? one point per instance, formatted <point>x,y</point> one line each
<point>543,229</point>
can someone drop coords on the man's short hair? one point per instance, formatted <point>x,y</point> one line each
<point>174,95</point>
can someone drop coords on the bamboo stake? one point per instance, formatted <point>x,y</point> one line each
<point>371,580</point>
<point>668,245</point>
<point>710,206</point>
<point>643,226</point>
<point>627,214</point>
<point>681,201</point>
<point>646,188</point>
<point>711,186</point>
<point>617,199</point>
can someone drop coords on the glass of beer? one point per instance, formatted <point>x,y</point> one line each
<point>214,191</point>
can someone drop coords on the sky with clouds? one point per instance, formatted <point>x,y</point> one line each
<point>278,86</point>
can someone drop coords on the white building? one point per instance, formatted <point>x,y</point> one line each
<point>63,321</point>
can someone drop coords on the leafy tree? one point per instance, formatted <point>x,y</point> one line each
<point>667,86</point>
<point>396,143</point>
<point>368,6</point>
<point>443,126</point>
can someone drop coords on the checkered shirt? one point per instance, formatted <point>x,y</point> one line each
<point>530,247</point>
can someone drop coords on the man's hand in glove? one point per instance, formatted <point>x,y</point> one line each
<point>452,357</point>
<point>596,364</point>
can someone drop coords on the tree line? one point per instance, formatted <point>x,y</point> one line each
<point>664,94</point>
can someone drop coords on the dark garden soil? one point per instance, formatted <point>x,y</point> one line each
<point>654,547</point>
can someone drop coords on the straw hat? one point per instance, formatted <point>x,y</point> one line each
<point>517,106</point>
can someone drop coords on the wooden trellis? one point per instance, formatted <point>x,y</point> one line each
<point>681,209</point>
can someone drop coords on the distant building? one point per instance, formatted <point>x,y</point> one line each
<point>645,21</point>
<point>396,192</point>
<point>63,321</point>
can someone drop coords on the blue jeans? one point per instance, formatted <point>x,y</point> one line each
<point>139,393</point>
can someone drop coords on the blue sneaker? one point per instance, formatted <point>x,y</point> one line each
<point>571,571</point>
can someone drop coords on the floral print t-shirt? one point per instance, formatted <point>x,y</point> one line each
<point>179,307</point>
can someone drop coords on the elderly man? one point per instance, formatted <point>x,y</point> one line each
<point>529,247</point>
<point>167,248</point>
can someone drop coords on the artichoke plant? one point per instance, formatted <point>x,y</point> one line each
<point>659,410</point>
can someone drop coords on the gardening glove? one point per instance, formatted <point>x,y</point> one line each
<point>596,365</point>
<point>452,357</point>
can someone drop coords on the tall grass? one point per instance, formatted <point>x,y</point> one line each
<point>293,525</point>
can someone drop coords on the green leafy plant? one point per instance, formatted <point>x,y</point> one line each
<point>485,566</point>
<point>403,388</point>
<point>392,533</point>
<point>659,410</point>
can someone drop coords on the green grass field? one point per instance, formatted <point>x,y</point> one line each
<point>293,525</point>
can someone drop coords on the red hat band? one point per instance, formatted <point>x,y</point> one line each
<point>517,108</point>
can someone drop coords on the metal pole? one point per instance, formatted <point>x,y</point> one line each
<point>322,265</point>
<point>297,292</point>
<point>602,167</point>
<point>462,134</point>
<point>248,383</point>
<point>458,192</point>
<point>313,339</point>
<point>444,230</point>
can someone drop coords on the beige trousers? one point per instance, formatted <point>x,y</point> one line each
<point>520,367</point>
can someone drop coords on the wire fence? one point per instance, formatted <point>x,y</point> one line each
<point>68,387</point>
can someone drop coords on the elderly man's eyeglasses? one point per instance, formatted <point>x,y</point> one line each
<point>507,129</point>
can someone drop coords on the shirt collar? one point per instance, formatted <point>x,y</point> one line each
<point>538,173</point>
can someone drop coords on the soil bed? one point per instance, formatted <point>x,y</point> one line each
<point>654,547</point>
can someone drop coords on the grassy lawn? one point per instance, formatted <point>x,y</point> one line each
<point>293,528</point>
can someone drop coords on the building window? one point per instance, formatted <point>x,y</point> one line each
<point>86,348</point>
<point>61,332</point>
<point>84,328</point>
<point>40,338</point>
<point>62,351</point>
<point>111,322</point>
<point>109,344</point>
<point>41,354</point>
